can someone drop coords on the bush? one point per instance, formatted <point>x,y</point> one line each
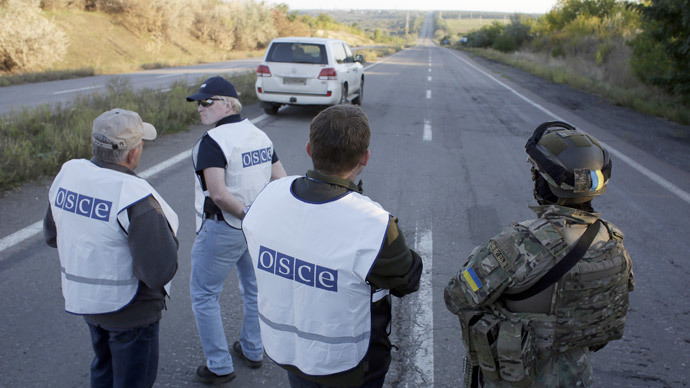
<point>253,26</point>
<point>504,43</point>
<point>156,17</point>
<point>286,24</point>
<point>485,36</point>
<point>512,36</point>
<point>664,43</point>
<point>213,27</point>
<point>65,4</point>
<point>27,40</point>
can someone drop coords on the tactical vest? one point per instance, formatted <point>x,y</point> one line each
<point>589,305</point>
<point>248,153</point>
<point>315,303</point>
<point>91,220</point>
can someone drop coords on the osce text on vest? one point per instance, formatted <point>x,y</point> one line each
<point>256,157</point>
<point>98,209</point>
<point>298,270</point>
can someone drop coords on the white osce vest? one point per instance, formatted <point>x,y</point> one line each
<point>89,205</point>
<point>248,153</point>
<point>311,263</point>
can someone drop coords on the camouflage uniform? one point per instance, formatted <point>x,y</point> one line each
<point>561,324</point>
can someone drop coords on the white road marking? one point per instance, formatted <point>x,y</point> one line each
<point>170,75</point>
<point>422,375</point>
<point>37,227</point>
<point>166,164</point>
<point>21,235</point>
<point>382,61</point>
<point>429,70</point>
<point>682,194</point>
<point>428,94</point>
<point>427,130</point>
<point>428,78</point>
<point>78,90</point>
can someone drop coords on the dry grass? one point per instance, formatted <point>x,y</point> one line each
<point>106,44</point>
<point>372,54</point>
<point>35,142</point>
<point>463,26</point>
<point>28,41</point>
<point>109,47</point>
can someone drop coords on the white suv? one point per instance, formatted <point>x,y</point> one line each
<point>309,71</point>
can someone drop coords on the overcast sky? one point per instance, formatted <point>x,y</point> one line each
<point>522,6</point>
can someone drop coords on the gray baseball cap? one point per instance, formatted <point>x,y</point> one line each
<point>123,128</point>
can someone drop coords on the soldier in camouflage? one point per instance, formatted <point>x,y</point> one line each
<point>536,299</point>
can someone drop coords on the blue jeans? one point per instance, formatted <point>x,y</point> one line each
<point>124,358</point>
<point>218,249</point>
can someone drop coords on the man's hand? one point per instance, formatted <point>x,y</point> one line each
<point>215,183</point>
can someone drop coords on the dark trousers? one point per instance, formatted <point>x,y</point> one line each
<point>124,358</point>
<point>299,382</point>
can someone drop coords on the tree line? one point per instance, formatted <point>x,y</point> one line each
<point>30,41</point>
<point>653,35</point>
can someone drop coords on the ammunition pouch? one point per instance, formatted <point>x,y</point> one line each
<point>591,300</point>
<point>504,350</point>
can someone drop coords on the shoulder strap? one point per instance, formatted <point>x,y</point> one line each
<point>562,267</point>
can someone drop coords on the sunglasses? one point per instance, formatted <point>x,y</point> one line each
<point>208,102</point>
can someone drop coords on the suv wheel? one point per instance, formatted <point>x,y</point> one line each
<point>343,94</point>
<point>272,110</point>
<point>360,96</point>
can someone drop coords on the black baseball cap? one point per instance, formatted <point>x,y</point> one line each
<point>214,86</point>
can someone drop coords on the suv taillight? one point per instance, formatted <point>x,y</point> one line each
<point>263,71</point>
<point>328,73</point>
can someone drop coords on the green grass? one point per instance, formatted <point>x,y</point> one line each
<point>463,26</point>
<point>36,142</point>
<point>55,75</point>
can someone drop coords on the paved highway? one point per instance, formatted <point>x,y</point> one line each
<point>20,97</point>
<point>448,133</point>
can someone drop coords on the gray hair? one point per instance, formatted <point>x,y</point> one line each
<point>107,155</point>
<point>236,104</point>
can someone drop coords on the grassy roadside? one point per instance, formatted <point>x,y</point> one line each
<point>36,142</point>
<point>641,98</point>
<point>373,54</point>
<point>43,76</point>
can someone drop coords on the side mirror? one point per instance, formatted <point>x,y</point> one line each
<point>359,58</point>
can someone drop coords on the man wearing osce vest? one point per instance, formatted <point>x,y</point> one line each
<point>116,238</point>
<point>232,163</point>
<point>327,259</point>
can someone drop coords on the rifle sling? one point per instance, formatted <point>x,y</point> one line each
<point>562,267</point>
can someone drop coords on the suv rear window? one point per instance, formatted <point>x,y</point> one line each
<point>297,53</point>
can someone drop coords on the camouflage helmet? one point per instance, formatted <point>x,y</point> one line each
<point>574,166</point>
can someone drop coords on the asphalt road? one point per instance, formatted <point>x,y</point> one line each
<point>448,133</point>
<point>19,97</point>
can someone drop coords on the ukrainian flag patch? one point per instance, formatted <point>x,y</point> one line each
<point>472,279</point>
<point>597,180</point>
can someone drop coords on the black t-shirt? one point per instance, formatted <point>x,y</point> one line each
<point>211,155</point>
